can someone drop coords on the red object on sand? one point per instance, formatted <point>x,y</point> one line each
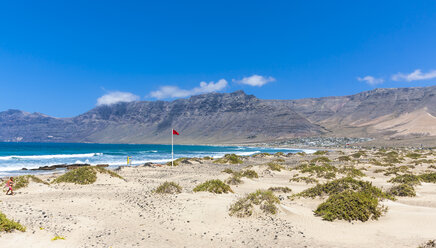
<point>175,132</point>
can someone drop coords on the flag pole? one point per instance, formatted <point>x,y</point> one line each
<point>172,147</point>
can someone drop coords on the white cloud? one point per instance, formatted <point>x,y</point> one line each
<point>174,91</point>
<point>255,80</point>
<point>371,80</point>
<point>116,97</point>
<point>416,75</point>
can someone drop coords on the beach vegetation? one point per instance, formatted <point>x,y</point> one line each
<point>265,199</point>
<point>23,181</point>
<point>214,186</point>
<point>403,189</point>
<point>350,206</point>
<point>7,225</point>
<point>395,170</point>
<point>413,155</point>
<point>320,159</point>
<point>301,153</point>
<point>280,189</point>
<point>326,171</point>
<point>274,166</point>
<point>278,154</point>
<point>230,159</point>
<point>234,180</point>
<point>351,171</point>
<point>358,154</point>
<point>344,158</point>
<point>319,153</point>
<point>307,180</point>
<point>406,179</point>
<point>177,162</point>
<point>429,244</point>
<point>261,155</point>
<point>249,174</point>
<point>279,160</point>
<point>229,171</point>
<point>341,185</point>
<point>428,177</point>
<point>169,188</point>
<point>84,175</point>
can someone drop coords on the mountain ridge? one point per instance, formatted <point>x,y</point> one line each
<point>232,118</point>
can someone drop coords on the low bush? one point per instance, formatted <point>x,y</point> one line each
<point>341,185</point>
<point>413,155</point>
<point>280,189</point>
<point>326,171</point>
<point>350,205</point>
<point>169,188</point>
<point>428,177</point>
<point>234,180</point>
<point>319,153</point>
<point>261,155</point>
<point>177,162</point>
<point>274,166</point>
<point>7,225</point>
<point>278,154</point>
<point>406,179</point>
<point>402,190</point>
<point>344,158</point>
<point>229,171</point>
<point>307,180</point>
<point>395,170</point>
<point>249,174</point>
<point>84,175</point>
<point>358,154</point>
<point>23,181</point>
<point>320,159</point>
<point>351,171</point>
<point>429,244</point>
<point>230,159</point>
<point>265,199</point>
<point>214,186</point>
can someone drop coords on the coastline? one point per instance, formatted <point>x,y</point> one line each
<point>113,212</point>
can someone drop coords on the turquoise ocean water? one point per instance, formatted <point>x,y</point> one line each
<point>15,156</point>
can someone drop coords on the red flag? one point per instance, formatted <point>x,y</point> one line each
<point>175,132</point>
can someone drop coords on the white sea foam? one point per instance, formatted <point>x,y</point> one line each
<point>85,155</point>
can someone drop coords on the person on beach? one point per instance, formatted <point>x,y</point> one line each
<point>9,184</point>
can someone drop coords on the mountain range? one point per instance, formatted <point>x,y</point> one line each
<point>235,118</point>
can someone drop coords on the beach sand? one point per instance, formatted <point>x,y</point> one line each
<point>117,213</point>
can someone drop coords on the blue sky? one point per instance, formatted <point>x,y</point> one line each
<point>63,58</point>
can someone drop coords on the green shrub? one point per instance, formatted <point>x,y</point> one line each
<point>395,170</point>
<point>261,155</point>
<point>214,186</point>
<point>375,162</point>
<point>358,154</point>
<point>250,174</point>
<point>84,175</point>
<point>279,160</point>
<point>320,159</point>
<point>274,166</point>
<point>229,159</point>
<point>301,153</point>
<point>350,171</point>
<point>280,189</point>
<point>341,185</point>
<point>207,158</point>
<point>319,153</point>
<point>432,167</point>
<point>429,244</point>
<point>402,190</point>
<point>177,162</point>
<point>349,206</point>
<point>344,158</point>
<point>406,179</point>
<point>265,199</point>
<point>234,180</point>
<point>326,171</point>
<point>428,177</point>
<point>23,181</point>
<point>278,154</point>
<point>7,225</point>
<point>229,171</point>
<point>169,188</point>
<point>307,180</point>
<point>413,155</point>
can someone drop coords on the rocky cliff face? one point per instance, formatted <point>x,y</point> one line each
<point>214,117</point>
<point>235,117</point>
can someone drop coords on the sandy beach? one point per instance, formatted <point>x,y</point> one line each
<point>127,213</point>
